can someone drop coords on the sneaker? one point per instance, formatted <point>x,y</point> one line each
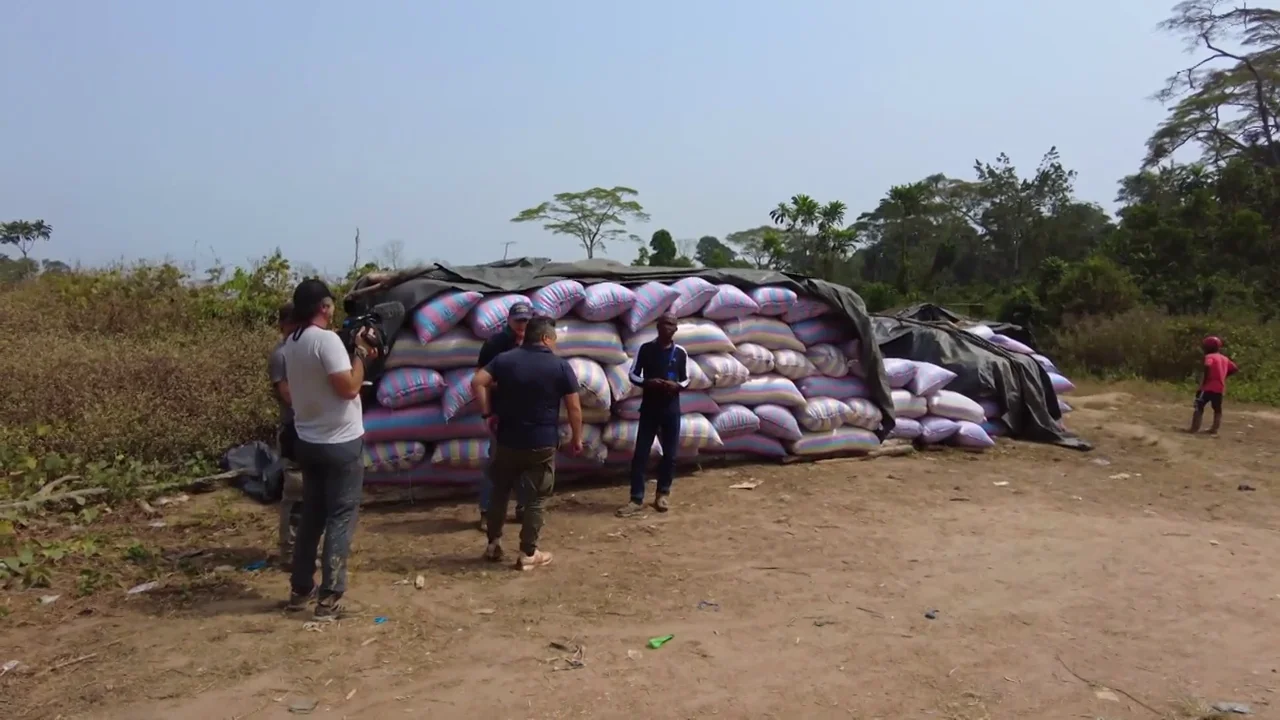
<point>631,509</point>
<point>332,608</point>
<point>662,503</point>
<point>298,603</point>
<point>493,552</point>
<point>536,560</point>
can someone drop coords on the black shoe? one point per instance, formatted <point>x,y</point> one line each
<point>298,603</point>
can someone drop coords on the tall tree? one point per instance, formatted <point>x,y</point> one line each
<point>762,248</point>
<point>714,254</point>
<point>662,249</point>
<point>815,233</point>
<point>593,216</point>
<point>23,234</point>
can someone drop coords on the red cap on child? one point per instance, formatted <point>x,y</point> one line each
<point>1212,343</point>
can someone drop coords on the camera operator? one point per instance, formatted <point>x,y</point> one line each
<point>287,441</point>
<point>324,380</point>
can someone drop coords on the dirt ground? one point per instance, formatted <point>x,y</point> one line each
<point>1129,582</point>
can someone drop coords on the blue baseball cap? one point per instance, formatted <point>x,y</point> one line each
<point>520,311</point>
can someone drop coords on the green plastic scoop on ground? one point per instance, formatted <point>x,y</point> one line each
<point>658,642</point>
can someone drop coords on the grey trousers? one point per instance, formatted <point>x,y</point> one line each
<point>332,485</point>
<point>291,499</point>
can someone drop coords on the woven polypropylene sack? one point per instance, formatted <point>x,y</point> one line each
<point>906,405</point>
<point>929,378</point>
<point>459,399</point>
<point>842,388</point>
<point>593,385</point>
<point>622,435</point>
<point>690,402</point>
<point>590,415</point>
<point>757,358</point>
<point>955,406</point>
<point>490,315</point>
<point>863,413</point>
<point>620,385</point>
<point>971,436</point>
<point>898,372</point>
<point>456,348</point>
<point>407,386</point>
<point>981,331</point>
<point>694,295</point>
<point>764,389</point>
<point>793,365</point>
<point>752,444</point>
<point>990,408</point>
<point>723,370</point>
<point>764,331</point>
<point>1063,406</point>
<point>824,413</point>
<point>698,336</point>
<point>424,423</point>
<point>605,301</point>
<point>1061,385</point>
<point>652,300</point>
<point>804,309</point>
<point>778,422</point>
<point>465,452</point>
<point>1045,362</point>
<point>443,312</point>
<point>597,341</point>
<point>772,300</point>
<point>1010,344</point>
<point>393,456</point>
<point>593,446</point>
<point>843,440</point>
<point>829,359</point>
<point>426,475</point>
<point>698,379</point>
<point>734,420</point>
<point>814,331</point>
<point>697,432</point>
<point>934,429</point>
<point>729,303</point>
<point>905,429</point>
<point>557,299</point>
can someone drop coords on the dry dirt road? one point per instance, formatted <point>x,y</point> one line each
<point>1136,581</point>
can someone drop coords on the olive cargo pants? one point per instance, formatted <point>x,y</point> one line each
<point>532,475</point>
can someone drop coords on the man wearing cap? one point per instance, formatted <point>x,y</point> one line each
<point>511,337</point>
<point>661,369</point>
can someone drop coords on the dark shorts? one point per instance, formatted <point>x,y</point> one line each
<point>1212,399</point>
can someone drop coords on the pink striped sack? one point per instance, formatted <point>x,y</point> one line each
<point>652,300</point>
<point>593,446</point>
<point>821,330</point>
<point>696,335</point>
<point>828,359</point>
<point>822,386</point>
<point>905,429</point>
<point>863,413</point>
<point>620,386</point>
<point>735,420</point>
<point>698,379</point>
<point>757,359</point>
<point>490,316</point>
<point>694,295</point>
<point>622,435</point>
<point>690,402</point>
<point>778,422</point>
<point>729,303</point>
<point>723,370</point>
<point>403,387</point>
<point>605,301</point>
<point>424,423</point>
<point>593,385</point>
<point>764,331</point>
<point>805,309</point>
<point>772,300</point>
<point>821,414</point>
<point>598,341</point>
<point>557,299</point>
<point>441,313</point>
<point>1010,344</point>
<point>751,444</point>
<point>793,365</point>
<point>459,399</point>
<point>843,440</point>
<point>454,348</point>
<point>465,452</point>
<point>426,475</point>
<point>393,456</point>
<point>761,390</point>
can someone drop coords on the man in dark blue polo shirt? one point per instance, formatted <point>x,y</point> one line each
<point>525,423</point>
<point>661,369</point>
<point>510,337</point>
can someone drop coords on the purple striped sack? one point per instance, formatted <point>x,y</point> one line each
<point>778,422</point>
<point>729,303</point>
<point>455,348</point>
<point>393,456</point>
<point>750,444</point>
<point>735,420</point>
<point>442,313</point>
<point>971,436</point>
<point>905,429</point>
<point>424,423</point>
<point>772,300</point>
<point>652,300</point>
<point>490,316</point>
<point>557,299</point>
<point>817,386</point>
<point>818,330</point>
<point>427,475</point>
<point>694,295</point>
<point>804,309</point>
<point>403,387</point>
<point>850,440</point>
<point>459,399</point>
<point>605,301</point>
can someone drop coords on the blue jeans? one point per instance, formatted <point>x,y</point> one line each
<point>665,426</point>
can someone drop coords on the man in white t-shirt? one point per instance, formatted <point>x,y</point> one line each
<point>324,382</point>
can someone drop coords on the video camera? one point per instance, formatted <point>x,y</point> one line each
<point>360,317</point>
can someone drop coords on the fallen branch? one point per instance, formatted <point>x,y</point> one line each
<point>52,485</point>
<point>1092,683</point>
<point>191,485</point>
<point>68,663</point>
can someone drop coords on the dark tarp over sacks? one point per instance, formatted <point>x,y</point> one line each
<point>928,312</point>
<point>411,288</point>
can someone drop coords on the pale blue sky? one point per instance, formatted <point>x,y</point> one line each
<point>148,128</point>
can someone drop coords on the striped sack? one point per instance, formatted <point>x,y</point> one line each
<point>752,444</point>
<point>822,330</point>
<point>622,434</point>
<point>557,299</point>
<point>772,300</point>
<point>620,385</point>
<point>424,423</point>
<point>829,359</point>
<point>841,440</point>
<point>1045,363</point>
<point>490,315</point>
<point>934,429</point>
<point>863,413</point>
<point>690,402</point>
<point>955,406</point>
<point>735,420</point>
<point>464,452</point>
<point>593,386</point>
<point>723,370</point>
<point>757,358</point>
<point>392,456</point>
<point>981,331</point>
<point>729,303</point>
<point>1010,344</point>
<point>906,405</point>
<point>590,415</point>
<point>605,301</point>
<point>694,294</point>
<point>898,372</point>
<point>792,364</point>
<point>593,446</point>
<point>805,309</point>
<point>768,332</point>
<point>696,335</point>
<point>455,348</point>
<point>427,475</point>
<point>698,379</point>
<point>822,386</point>
<point>652,299</point>
<point>777,422</point>
<point>929,378</point>
<point>598,341</point>
<point>441,313</point>
<point>761,390</point>
<point>697,432</point>
<point>459,399</point>
<point>1063,407</point>
<point>824,413</point>
<point>1061,385</point>
<point>407,386</point>
<point>971,436</point>
<point>905,429</point>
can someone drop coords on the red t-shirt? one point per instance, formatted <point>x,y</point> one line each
<point>1216,369</point>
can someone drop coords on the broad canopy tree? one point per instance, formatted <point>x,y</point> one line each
<point>593,217</point>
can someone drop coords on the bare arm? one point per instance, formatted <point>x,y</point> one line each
<point>346,372</point>
<point>480,385</point>
<point>346,383</point>
<point>282,392</point>
<point>573,404</point>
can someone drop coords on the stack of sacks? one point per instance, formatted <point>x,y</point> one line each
<point>1061,385</point>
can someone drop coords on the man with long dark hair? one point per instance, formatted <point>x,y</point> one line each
<point>324,380</point>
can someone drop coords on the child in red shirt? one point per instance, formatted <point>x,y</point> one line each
<point>1217,367</point>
